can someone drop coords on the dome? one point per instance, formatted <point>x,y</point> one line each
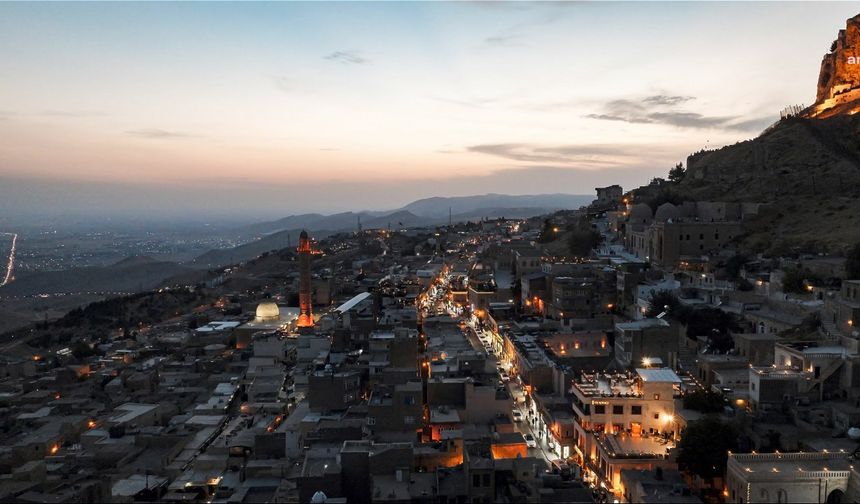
<point>640,212</point>
<point>666,211</point>
<point>268,310</point>
<point>318,498</point>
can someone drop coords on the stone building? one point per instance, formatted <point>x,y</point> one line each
<point>792,477</point>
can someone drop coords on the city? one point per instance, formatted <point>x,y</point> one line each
<point>682,335</point>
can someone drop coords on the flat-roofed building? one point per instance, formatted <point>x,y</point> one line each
<point>791,477</point>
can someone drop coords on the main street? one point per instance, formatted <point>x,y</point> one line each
<point>480,339</point>
<point>10,266</point>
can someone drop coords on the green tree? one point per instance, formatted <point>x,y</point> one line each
<point>548,232</point>
<point>581,242</point>
<point>677,173</point>
<point>852,263</point>
<point>793,279</point>
<point>659,302</point>
<point>705,401</point>
<point>705,445</point>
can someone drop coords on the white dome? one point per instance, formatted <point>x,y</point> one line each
<point>854,433</point>
<point>268,310</point>
<point>318,498</point>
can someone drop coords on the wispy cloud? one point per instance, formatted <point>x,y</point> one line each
<point>6,114</point>
<point>666,110</point>
<point>347,58</point>
<point>158,134</point>
<point>667,99</point>
<point>594,155</point>
<point>503,40</point>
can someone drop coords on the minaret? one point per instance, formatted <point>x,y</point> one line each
<point>306,316</point>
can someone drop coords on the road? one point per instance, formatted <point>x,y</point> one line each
<point>474,335</point>
<point>10,266</point>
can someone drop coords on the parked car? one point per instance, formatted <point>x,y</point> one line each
<point>518,417</point>
<point>531,442</point>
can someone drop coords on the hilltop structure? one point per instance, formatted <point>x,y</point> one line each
<point>839,77</point>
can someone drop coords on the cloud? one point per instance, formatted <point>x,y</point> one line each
<point>158,134</point>
<point>503,40</point>
<point>667,99</point>
<point>664,109</point>
<point>347,58</point>
<point>6,114</point>
<point>580,155</point>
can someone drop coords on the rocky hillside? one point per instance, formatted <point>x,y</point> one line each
<point>806,171</point>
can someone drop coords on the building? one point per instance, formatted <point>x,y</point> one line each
<point>306,316</point>
<point>645,339</point>
<point>791,477</point>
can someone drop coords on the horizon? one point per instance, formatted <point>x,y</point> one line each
<point>253,111</point>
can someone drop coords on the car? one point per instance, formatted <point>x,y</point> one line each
<point>518,416</point>
<point>531,442</point>
<point>505,378</point>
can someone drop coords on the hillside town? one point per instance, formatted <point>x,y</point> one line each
<point>622,352</point>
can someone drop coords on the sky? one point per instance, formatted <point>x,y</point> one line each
<point>267,109</point>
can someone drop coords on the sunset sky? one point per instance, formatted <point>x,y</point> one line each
<point>276,108</point>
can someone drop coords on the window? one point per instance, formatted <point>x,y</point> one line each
<point>409,400</point>
<point>656,416</point>
<point>656,397</point>
<point>409,419</point>
<point>476,480</point>
<point>599,409</point>
<point>701,236</point>
<point>486,480</point>
<point>636,409</point>
<point>371,420</point>
<point>618,409</point>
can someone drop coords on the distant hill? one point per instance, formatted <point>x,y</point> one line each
<point>426,212</point>
<point>129,275</point>
<point>252,249</point>
<point>438,207</point>
<point>281,233</point>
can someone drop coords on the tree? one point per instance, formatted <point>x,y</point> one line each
<point>705,401</point>
<point>705,445</point>
<point>677,173</point>
<point>659,302</point>
<point>734,265</point>
<point>852,263</point>
<point>793,279</point>
<point>582,242</point>
<point>548,233</point>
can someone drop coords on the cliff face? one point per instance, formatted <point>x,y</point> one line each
<point>839,78</point>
